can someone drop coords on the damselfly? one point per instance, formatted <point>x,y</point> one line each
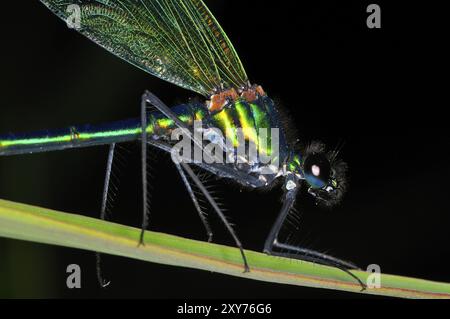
<point>181,42</point>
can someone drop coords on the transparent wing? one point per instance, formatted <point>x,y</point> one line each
<point>176,40</point>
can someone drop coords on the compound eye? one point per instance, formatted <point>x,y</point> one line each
<point>317,170</point>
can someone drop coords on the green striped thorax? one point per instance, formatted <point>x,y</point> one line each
<point>250,119</point>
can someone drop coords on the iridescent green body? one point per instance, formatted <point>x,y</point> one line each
<point>248,116</point>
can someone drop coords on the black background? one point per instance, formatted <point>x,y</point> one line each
<point>378,90</point>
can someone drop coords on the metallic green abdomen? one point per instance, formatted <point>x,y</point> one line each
<point>248,117</point>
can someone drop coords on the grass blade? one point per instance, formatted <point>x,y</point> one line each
<point>42,225</point>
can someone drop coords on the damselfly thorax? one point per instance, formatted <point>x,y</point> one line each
<point>238,125</point>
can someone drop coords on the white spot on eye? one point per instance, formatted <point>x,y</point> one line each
<point>315,170</point>
<point>290,185</point>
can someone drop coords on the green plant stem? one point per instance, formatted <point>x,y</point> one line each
<point>42,225</point>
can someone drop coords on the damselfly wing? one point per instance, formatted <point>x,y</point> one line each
<point>177,41</point>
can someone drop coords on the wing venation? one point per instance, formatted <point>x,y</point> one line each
<point>179,41</point>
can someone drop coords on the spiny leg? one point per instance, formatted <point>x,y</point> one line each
<point>298,252</point>
<point>144,168</point>
<point>149,97</point>
<point>195,201</point>
<point>272,239</point>
<point>216,208</point>
<point>104,283</point>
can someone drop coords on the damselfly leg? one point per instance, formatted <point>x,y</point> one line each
<point>289,251</point>
<point>153,100</point>
<point>200,212</point>
<point>144,169</point>
<point>216,208</point>
<point>106,187</point>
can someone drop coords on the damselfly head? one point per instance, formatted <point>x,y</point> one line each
<point>324,174</point>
